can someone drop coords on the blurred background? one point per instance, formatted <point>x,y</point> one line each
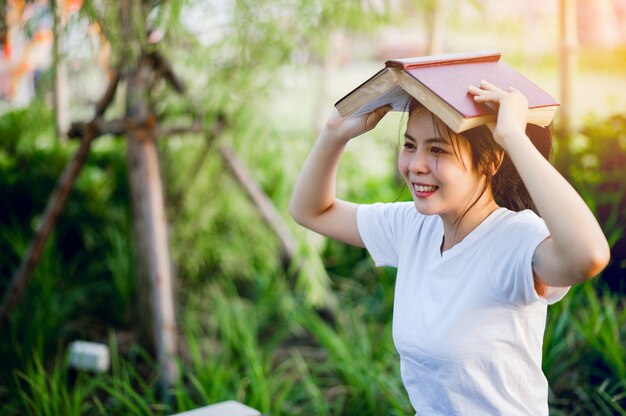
<point>148,151</point>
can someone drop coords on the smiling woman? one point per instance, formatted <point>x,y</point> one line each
<point>476,268</point>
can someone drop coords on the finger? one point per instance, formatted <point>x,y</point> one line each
<point>385,109</point>
<point>377,115</point>
<point>490,100</point>
<point>382,111</point>
<point>487,97</point>
<point>486,85</point>
<point>475,90</point>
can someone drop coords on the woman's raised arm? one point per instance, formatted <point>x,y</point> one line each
<point>313,202</point>
<point>577,249</point>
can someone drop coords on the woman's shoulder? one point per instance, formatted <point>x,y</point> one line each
<point>527,215</point>
<point>399,211</point>
<point>512,223</point>
<point>399,215</point>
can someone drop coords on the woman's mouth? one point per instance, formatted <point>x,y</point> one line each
<point>423,191</point>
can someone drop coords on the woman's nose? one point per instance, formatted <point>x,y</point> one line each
<point>419,162</point>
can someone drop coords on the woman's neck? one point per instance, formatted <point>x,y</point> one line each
<point>457,227</point>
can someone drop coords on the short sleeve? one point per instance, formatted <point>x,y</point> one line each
<point>512,255</point>
<point>381,227</point>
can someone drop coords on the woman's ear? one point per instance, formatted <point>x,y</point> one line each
<point>495,165</point>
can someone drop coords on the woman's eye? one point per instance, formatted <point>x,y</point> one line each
<point>409,145</point>
<point>437,150</point>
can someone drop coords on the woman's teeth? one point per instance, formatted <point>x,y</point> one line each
<point>425,188</point>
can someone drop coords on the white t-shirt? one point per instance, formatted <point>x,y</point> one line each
<point>468,324</point>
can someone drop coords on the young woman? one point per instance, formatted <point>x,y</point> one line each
<point>476,270</point>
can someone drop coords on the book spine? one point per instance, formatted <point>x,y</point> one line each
<point>448,59</point>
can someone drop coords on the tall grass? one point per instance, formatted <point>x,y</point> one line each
<point>36,325</point>
<point>118,260</point>
<point>235,352</point>
<point>50,392</point>
<point>584,352</point>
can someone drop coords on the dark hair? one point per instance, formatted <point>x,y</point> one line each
<point>507,187</point>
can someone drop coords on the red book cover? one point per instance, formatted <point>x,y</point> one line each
<point>450,75</point>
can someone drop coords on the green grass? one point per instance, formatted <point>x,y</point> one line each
<point>50,392</point>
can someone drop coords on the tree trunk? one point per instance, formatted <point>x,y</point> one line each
<point>153,262</point>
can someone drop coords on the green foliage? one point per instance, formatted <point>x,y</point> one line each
<point>584,352</point>
<point>67,282</point>
<point>118,260</point>
<point>365,368</point>
<point>241,334</point>
<point>595,163</point>
<point>50,393</point>
<point>129,391</point>
<point>600,320</point>
<point>599,168</point>
<point>35,327</point>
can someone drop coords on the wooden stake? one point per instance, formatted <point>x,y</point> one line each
<point>264,205</point>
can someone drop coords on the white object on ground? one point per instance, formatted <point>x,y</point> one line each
<point>92,356</point>
<point>228,408</point>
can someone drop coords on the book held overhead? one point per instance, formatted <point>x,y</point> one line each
<point>440,84</point>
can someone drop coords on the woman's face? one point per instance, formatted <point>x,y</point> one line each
<point>441,180</point>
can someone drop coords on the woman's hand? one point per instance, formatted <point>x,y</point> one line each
<point>346,128</point>
<point>512,107</point>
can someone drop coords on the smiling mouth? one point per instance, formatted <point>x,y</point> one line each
<point>425,188</point>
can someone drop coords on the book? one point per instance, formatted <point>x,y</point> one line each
<point>440,84</point>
